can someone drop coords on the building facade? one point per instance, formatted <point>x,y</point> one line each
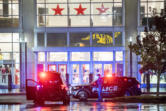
<point>72,37</point>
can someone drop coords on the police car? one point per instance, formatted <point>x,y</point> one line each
<point>111,87</point>
<point>49,87</point>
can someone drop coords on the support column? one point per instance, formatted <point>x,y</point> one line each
<point>131,16</point>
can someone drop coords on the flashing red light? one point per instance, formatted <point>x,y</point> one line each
<point>64,87</point>
<point>108,75</point>
<point>125,79</point>
<point>138,85</point>
<point>43,75</point>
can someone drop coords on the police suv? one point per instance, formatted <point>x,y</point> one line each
<point>49,87</point>
<point>111,87</point>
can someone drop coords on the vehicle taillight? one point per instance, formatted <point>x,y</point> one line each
<point>64,87</point>
<point>138,85</point>
<point>125,79</point>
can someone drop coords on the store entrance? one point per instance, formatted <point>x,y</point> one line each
<point>80,73</point>
<point>61,68</point>
<point>102,69</point>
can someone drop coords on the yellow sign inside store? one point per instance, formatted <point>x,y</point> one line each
<point>102,38</point>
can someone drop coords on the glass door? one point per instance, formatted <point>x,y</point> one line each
<point>62,68</point>
<point>75,74</point>
<point>108,70</point>
<point>85,73</point>
<point>52,67</point>
<point>97,70</point>
<point>80,73</point>
<point>102,69</point>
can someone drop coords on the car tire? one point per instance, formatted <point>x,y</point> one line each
<point>83,95</point>
<point>127,93</point>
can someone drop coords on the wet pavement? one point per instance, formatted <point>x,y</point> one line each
<point>85,106</point>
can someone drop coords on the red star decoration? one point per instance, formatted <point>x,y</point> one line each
<point>58,10</point>
<point>102,9</point>
<point>80,10</point>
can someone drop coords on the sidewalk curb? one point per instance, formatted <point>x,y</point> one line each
<point>11,94</point>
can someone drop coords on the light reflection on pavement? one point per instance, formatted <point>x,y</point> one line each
<point>86,106</point>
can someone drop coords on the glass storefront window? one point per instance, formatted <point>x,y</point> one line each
<point>119,69</point>
<point>102,39</point>
<point>102,56</point>
<point>150,8</point>
<point>80,56</point>
<point>107,70</point>
<point>85,6</point>
<point>153,79</point>
<point>57,56</point>
<point>75,74</point>
<point>55,1</point>
<point>79,39</point>
<point>53,21</point>
<point>62,68</point>
<point>97,70</point>
<point>41,56</point>
<point>85,73</point>
<point>51,9</point>
<point>16,57</point>
<point>13,1</point>
<point>96,9</point>
<point>6,56</point>
<point>119,56</point>
<point>16,37</point>
<point>52,67</point>
<point>102,20</point>
<point>102,0</point>
<point>118,38</point>
<point>40,39</point>
<point>5,37</point>
<point>16,47</point>
<point>117,11</point>
<point>92,13</point>
<point>56,39</point>
<point>17,74</point>
<point>40,1</point>
<point>77,21</point>
<point>14,9</point>
<point>79,0</point>
<point>9,13</point>
<point>6,47</point>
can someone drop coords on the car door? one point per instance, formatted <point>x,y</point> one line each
<point>94,89</point>
<point>110,87</point>
<point>106,87</point>
<point>30,89</point>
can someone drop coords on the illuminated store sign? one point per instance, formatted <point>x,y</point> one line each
<point>102,38</point>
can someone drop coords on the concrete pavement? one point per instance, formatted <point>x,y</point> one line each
<point>21,99</point>
<point>16,96</point>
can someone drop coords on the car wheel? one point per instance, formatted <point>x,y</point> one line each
<point>82,96</point>
<point>127,93</point>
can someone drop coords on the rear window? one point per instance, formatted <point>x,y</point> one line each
<point>51,76</point>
